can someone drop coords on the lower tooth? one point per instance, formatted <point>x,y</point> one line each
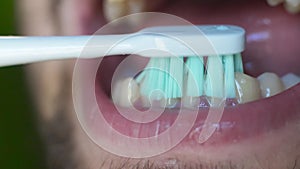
<point>125,92</point>
<point>169,103</point>
<point>270,84</point>
<point>290,80</point>
<point>145,102</point>
<point>247,88</point>
<point>191,102</point>
<point>159,103</point>
<point>155,100</point>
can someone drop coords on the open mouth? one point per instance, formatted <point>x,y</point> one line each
<point>272,38</point>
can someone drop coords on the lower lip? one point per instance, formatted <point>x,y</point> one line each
<point>237,123</point>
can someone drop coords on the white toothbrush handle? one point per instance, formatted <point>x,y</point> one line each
<point>21,50</point>
<point>167,41</point>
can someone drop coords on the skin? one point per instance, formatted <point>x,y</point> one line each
<point>66,144</point>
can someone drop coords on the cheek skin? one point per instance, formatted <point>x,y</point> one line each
<point>31,23</point>
<point>51,83</point>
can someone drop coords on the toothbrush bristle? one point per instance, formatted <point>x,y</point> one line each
<point>229,80</point>
<point>214,81</point>
<point>191,77</point>
<point>164,76</point>
<point>238,64</point>
<point>194,76</point>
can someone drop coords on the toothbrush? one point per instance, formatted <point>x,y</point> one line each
<point>178,50</point>
<point>174,41</point>
<point>188,75</point>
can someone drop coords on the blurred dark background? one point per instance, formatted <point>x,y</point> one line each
<point>20,145</point>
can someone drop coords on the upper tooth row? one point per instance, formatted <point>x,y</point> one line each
<point>292,6</point>
<point>114,9</point>
<point>125,92</point>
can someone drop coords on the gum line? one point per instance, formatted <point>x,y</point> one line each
<point>192,103</point>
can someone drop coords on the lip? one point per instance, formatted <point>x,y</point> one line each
<point>243,121</point>
<point>237,122</point>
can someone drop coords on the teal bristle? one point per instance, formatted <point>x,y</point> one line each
<point>213,79</point>
<point>194,76</point>
<point>229,82</point>
<point>238,64</point>
<point>163,74</point>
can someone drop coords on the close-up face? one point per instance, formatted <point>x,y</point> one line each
<point>259,126</point>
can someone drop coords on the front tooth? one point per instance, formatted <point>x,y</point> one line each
<point>125,92</point>
<point>292,6</point>
<point>247,88</point>
<point>191,102</point>
<point>155,100</point>
<point>274,2</point>
<point>270,84</point>
<point>114,9</point>
<point>169,103</point>
<point>290,80</point>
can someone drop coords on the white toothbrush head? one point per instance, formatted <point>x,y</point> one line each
<point>164,41</point>
<point>201,40</point>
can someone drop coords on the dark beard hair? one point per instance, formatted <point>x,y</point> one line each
<point>57,136</point>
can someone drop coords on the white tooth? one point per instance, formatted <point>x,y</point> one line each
<point>155,100</point>
<point>114,9</point>
<point>125,92</point>
<point>145,102</point>
<point>135,6</point>
<point>270,84</point>
<point>292,6</point>
<point>160,102</point>
<point>290,80</point>
<point>274,2</point>
<point>169,103</point>
<point>247,88</point>
<point>191,102</point>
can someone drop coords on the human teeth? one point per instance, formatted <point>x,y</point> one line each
<point>191,102</point>
<point>125,92</point>
<point>114,9</point>
<point>145,102</point>
<point>274,2</point>
<point>270,84</point>
<point>169,103</point>
<point>156,99</point>
<point>247,88</point>
<point>161,103</point>
<point>290,80</point>
<point>292,6</point>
